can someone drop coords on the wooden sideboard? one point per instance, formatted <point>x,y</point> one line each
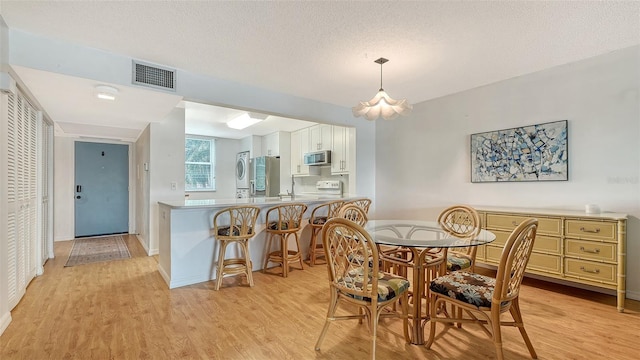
<point>572,246</point>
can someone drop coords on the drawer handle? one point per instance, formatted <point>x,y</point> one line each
<point>597,230</point>
<point>596,271</point>
<point>596,251</point>
<point>514,223</point>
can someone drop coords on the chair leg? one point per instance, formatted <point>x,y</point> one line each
<point>299,251</point>
<point>247,261</point>
<point>333,305</point>
<point>432,323</point>
<point>266,253</point>
<point>374,314</point>
<point>220,268</point>
<point>495,331</point>
<point>517,316</point>
<point>285,254</point>
<point>312,247</point>
<point>405,315</point>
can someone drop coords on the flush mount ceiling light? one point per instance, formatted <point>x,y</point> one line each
<point>382,104</point>
<point>243,121</point>
<point>105,92</point>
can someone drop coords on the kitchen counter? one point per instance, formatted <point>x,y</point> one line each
<point>187,248</point>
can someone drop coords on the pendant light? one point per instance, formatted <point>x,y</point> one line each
<point>382,105</point>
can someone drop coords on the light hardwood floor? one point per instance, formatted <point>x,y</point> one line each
<point>124,310</point>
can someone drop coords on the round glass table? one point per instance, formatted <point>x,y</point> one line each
<point>422,247</point>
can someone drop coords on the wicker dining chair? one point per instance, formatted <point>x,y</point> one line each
<point>319,216</point>
<point>363,203</point>
<point>282,222</point>
<point>359,282</point>
<point>490,296</point>
<point>463,222</point>
<point>236,224</point>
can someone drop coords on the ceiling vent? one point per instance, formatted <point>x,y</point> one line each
<point>154,76</point>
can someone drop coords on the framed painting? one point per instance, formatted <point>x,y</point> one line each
<point>527,153</point>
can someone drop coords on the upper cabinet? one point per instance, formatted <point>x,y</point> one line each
<point>271,144</point>
<point>321,137</point>
<point>299,146</point>
<point>343,154</point>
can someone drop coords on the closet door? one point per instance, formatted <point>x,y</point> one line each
<point>21,195</point>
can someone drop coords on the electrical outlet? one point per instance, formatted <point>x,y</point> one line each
<point>174,185</point>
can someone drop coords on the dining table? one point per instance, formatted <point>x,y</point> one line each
<point>422,247</point>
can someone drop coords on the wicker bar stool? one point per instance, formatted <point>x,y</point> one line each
<point>240,228</point>
<point>362,203</point>
<point>319,216</point>
<point>282,222</point>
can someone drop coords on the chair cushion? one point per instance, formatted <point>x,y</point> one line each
<point>319,220</point>
<point>471,288</point>
<point>273,225</point>
<point>389,286</point>
<point>226,231</point>
<point>457,262</point>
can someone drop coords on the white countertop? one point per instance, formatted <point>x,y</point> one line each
<point>216,203</point>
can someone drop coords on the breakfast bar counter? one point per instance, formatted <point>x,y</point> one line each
<point>187,246</point>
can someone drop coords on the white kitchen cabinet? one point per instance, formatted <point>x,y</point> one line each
<point>271,144</point>
<point>320,137</point>
<point>299,146</point>
<point>341,154</point>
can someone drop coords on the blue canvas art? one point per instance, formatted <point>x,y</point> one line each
<point>528,153</point>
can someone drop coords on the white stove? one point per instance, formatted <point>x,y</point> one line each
<point>329,188</point>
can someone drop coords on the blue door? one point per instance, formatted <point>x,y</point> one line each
<point>102,189</point>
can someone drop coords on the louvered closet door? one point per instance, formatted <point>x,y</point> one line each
<point>22,185</point>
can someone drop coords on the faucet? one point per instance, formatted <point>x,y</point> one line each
<point>293,184</point>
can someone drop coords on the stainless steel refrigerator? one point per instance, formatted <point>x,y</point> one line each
<point>264,177</point>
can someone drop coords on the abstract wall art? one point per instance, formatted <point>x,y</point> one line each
<point>528,153</point>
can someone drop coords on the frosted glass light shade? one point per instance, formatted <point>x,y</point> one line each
<point>382,105</point>
<point>242,121</point>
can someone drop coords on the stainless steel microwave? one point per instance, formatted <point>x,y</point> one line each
<point>318,158</point>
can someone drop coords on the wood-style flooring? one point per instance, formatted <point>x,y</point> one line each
<point>124,310</point>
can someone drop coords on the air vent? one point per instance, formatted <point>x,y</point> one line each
<point>154,76</point>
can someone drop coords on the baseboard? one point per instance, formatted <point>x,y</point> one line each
<point>5,320</point>
<point>141,241</point>
<point>635,295</point>
<point>153,252</point>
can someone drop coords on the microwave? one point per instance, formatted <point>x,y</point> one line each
<point>318,158</point>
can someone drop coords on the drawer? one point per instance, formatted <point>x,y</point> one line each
<point>591,250</point>
<point>543,243</point>
<point>551,226</point>
<point>585,229</point>
<point>480,254</point>
<point>493,254</point>
<point>590,270</point>
<point>546,263</point>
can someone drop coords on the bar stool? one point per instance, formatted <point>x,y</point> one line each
<point>362,203</point>
<point>282,222</point>
<point>319,216</point>
<point>241,227</point>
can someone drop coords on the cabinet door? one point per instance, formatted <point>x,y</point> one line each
<point>340,152</point>
<point>321,137</point>
<point>271,144</point>
<point>299,146</point>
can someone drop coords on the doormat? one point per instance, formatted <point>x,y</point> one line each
<point>97,249</point>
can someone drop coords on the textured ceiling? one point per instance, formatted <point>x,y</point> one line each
<point>324,50</point>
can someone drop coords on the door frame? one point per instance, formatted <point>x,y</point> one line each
<point>132,176</point>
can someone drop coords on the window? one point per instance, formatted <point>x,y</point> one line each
<point>199,165</point>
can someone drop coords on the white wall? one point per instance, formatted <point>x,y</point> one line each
<point>166,166</point>
<point>63,183</point>
<point>428,153</point>
<point>143,187</point>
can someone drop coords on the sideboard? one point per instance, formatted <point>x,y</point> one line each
<point>572,246</point>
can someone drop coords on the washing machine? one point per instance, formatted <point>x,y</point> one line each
<point>242,170</point>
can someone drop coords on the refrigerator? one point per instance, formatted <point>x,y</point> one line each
<point>264,176</point>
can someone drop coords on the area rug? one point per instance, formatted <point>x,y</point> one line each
<point>97,249</point>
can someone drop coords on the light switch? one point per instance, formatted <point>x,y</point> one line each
<point>174,185</point>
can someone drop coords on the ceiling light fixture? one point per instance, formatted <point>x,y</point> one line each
<point>105,92</point>
<point>243,121</point>
<point>382,104</point>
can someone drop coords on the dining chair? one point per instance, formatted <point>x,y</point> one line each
<point>359,282</point>
<point>319,216</point>
<point>236,224</point>
<point>363,203</point>
<point>464,222</point>
<point>354,213</point>
<point>484,298</point>
<point>282,222</point>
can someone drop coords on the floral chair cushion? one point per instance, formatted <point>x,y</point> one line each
<point>226,231</point>
<point>458,262</point>
<point>273,225</point>
<point>471,288</point>
<point>319,220</point>
<point>389,285</point>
